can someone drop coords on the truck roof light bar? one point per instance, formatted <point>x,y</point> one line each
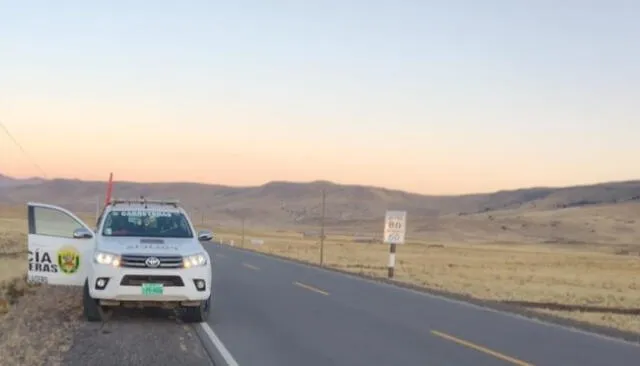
<point>144,201</point>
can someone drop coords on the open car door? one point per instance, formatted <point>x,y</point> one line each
<point>60,246</point>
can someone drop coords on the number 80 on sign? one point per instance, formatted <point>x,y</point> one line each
<point>395,227</point>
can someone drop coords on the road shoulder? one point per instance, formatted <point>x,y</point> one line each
<point>41,326</point>
<point>137,337</point>
<point>45,327</point>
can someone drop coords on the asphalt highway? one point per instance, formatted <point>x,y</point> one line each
<point>271,312</point>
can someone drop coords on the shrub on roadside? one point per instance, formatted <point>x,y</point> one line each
<point>12,290</point>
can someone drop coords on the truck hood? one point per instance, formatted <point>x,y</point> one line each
<point>150,246</point>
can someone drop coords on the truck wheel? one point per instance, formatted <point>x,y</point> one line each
<point>92,309</point>
<point>197,314</point>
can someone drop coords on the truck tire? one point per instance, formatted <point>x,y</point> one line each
<point>197,314</point>
<point>92,311</point>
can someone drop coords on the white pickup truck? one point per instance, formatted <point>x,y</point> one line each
<point>142,253</point>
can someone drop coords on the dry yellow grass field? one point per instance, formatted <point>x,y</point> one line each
<point>36,324</point>
<point>13,255</point>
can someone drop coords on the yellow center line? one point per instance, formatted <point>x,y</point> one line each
<point>311,288</point>
<point>476,347</point>
<point>250,266</point>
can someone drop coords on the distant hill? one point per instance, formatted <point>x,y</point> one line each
<point>288,203</point>
<point>6,181</point>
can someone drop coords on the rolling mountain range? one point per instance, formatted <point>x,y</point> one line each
<point>288,203</point>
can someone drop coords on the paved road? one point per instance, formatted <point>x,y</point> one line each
<point>273,312</point>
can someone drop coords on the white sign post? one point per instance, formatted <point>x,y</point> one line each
<point>395,228</point>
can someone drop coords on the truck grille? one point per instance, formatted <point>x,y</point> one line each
<point>137,261</point>
<point>138,280</point>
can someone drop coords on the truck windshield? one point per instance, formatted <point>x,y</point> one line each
<point>147,223</point>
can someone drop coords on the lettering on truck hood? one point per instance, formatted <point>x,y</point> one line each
<point>154,247</point>
<point>149,245</point>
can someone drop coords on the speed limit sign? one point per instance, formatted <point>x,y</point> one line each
<point>395,227</point>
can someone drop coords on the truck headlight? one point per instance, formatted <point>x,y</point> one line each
<point>196,260</point>
<point>107,258</point>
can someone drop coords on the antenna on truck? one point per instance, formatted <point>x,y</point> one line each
<point>107,198</point>
<point>109,189</point>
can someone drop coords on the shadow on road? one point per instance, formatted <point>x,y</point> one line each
<point>129,315</point>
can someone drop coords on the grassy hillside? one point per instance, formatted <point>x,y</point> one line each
<point>601,213</point>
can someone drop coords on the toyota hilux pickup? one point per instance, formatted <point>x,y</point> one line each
<point>142,253</point>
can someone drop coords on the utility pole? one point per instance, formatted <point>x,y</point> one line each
<point>324,198</point>
<point>242,242</point>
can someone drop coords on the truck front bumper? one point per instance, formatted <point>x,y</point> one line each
<point>126,284</point>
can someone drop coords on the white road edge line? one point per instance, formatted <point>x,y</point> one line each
<point>217,343</point>
<point>458,302</point>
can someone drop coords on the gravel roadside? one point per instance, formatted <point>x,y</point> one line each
<point>135,337</point>
<point>45,327</point>
<point>40,327</point>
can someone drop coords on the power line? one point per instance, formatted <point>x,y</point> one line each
<point>33,161</point>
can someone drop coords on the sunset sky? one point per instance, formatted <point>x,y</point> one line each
<point>432,97</point>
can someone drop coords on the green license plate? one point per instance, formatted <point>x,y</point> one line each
<point>150,289</point>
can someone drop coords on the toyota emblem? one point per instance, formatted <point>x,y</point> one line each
<point>152,262</point>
